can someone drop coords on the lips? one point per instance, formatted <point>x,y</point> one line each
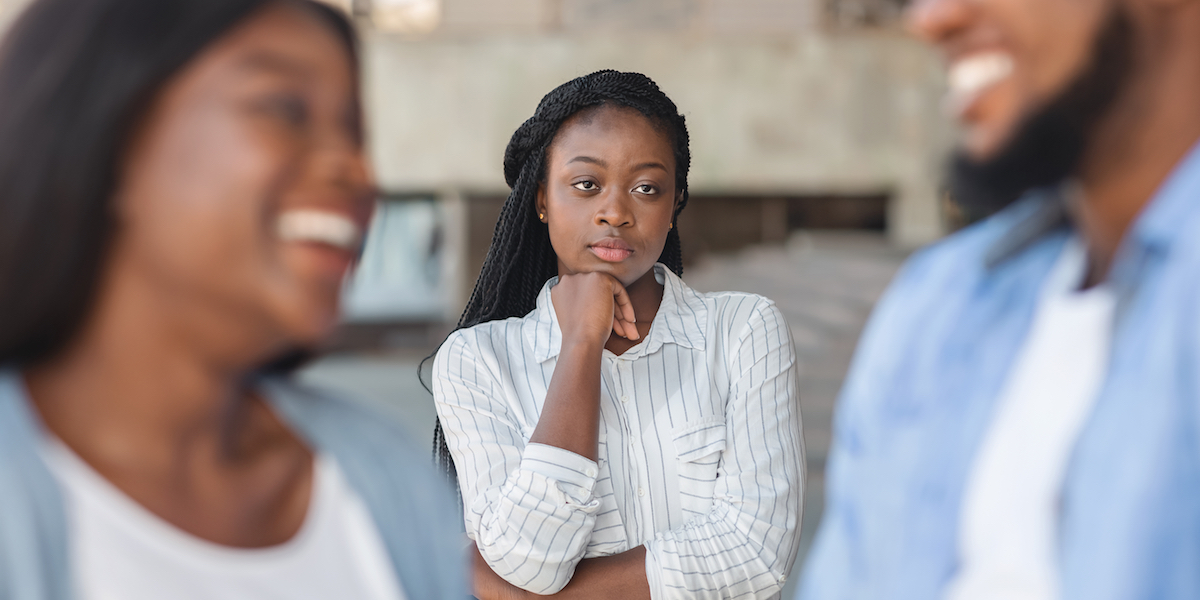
<point>611,250</point>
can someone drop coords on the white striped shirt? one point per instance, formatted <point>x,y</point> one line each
<point>701,457</point>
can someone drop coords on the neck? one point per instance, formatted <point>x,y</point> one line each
<point>646,295</point>
<point>143,381</point>
<point>1150,129</point>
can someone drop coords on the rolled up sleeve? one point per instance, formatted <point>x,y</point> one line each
<point>529,507</point>
<point>744,547</point>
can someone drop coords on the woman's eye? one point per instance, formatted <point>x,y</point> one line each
<point>587,186</point>
<point>645,188</point>
<point>291,109</point>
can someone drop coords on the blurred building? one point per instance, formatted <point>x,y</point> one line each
<point>803,114</point>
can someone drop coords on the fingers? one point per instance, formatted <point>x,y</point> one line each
<point>619,328</point>
<point>623,312</point>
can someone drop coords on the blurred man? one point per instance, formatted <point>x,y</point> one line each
<point>1023,418</point>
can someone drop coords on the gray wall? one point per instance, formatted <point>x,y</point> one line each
<point>779,101</point>
<point>792,115</point>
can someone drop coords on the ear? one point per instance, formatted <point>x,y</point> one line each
<point>675,207</point>
<point>540,204</point>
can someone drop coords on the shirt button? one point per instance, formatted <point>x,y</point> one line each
<point>590,472</point>
<point>782,579</point>
<point>641,492</point>
<point>624,398</point>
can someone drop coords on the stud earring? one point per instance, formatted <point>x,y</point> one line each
<point>541,216</point>
<point>671,226</point>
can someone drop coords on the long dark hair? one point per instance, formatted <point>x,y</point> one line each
<point>75,78</point>
<point>521,259</point>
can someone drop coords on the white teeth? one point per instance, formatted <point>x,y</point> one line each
<point>970,75</point>
<point>321,227</point>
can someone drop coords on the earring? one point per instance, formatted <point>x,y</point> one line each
<point>671,226</point>
<point>541,216</point>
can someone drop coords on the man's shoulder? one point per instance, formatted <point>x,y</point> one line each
<point>948,263</point>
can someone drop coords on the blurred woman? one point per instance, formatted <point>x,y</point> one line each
<point>616,434</point>
<point>182,189</point>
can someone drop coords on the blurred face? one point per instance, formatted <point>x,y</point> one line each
<point>1008,58</point>
<point>609,195</point>
<point>244,197</point>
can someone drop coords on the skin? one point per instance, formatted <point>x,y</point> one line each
<point>610,175</point>
<point>198,290</point>
<point>1150,129</point>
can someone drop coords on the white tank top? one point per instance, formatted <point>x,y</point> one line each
<point>121,551</point>
<point>1008,540</point>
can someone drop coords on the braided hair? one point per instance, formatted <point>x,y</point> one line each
<point>521,259</point>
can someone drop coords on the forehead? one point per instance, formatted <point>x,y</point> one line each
<point>612,129</point>
<point>280,39</point>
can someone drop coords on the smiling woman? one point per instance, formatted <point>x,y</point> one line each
<point>616,434</point>
<point>183,188</point>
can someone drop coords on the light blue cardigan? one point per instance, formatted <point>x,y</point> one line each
<point>416,516</point>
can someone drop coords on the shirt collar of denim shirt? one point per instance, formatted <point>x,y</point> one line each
<point>1171,211</point>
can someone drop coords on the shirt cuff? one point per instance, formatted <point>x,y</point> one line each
<point>562,466</point>
<point>653,574</point>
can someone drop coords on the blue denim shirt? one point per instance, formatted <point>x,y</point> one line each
<point>925,381</point>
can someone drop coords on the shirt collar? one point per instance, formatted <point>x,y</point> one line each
<point>681,319</point>
<point>1169,215</point>
<point>1172,213</point>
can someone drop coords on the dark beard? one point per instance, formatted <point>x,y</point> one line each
<point>1049,145</point>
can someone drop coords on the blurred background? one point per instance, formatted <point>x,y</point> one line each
<point>817,143</point>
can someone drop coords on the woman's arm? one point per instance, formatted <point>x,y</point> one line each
<point>530,507</point>
<point>618,576</point>
<point>744,546</point>
<point>589,307</point>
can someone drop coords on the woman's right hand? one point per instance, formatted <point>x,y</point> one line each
<point>591,306</point>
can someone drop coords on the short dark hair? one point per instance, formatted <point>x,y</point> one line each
<point>76,76</point>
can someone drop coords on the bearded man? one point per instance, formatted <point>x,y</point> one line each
<point>1022,421</point>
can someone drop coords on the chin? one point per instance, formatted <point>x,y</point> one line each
<point>311,324</point>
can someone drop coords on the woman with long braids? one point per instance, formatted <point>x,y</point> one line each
<point>183,187</point>
<point>616,434</point>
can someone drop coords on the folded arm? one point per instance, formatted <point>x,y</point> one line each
<point>529,507</point>
<point>744,546</point>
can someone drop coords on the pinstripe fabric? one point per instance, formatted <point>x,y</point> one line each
<point>701,456</point>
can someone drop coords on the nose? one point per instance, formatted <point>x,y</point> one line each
<point>340,162</point>
<point>939,21</point>
<point>615,210</point>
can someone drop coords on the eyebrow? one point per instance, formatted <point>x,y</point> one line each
<point>601,163</point>
<point>266,61</point>
<point>588,159</point>
<point>651,165</point>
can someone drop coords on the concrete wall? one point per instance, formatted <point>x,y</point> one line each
<point>9,9</point>
<point>770,113</point>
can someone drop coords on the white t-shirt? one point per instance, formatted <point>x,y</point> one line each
<point>1009,521</point>
<point>122,551</point>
